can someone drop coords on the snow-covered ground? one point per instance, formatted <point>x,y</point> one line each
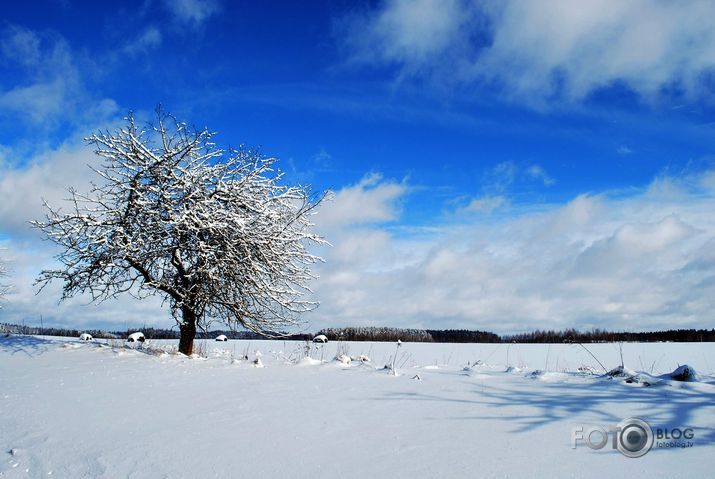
<point>74,409</point>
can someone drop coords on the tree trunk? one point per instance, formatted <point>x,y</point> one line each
<point>188,331</point>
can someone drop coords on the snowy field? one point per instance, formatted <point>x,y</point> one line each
<point>71,409</point>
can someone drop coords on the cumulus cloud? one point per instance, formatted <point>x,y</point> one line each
<point>644,261</point>
<point>541,50</point>
<point>407,33</point>
<point>370,201</point>
<point>45,177</point>
<point>640,262</point>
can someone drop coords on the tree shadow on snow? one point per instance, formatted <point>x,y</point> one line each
<point>599,400</point>
<point>29,345</point>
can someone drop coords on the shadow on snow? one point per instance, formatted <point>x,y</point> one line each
<point>29,345</point>
<point>662,406</point>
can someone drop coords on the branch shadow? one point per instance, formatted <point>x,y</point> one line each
<point>32,346</point>
<point>667,405</point>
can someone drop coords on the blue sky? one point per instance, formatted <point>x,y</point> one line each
<point>442,127</point>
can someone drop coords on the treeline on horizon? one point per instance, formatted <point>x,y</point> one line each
<point>374,333</point>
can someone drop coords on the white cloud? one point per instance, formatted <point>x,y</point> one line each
<point>623,150</point>
<point>500,182</point>
<point>537,172</point>
<point>47,176</point>
<point>48,87</point>
<point>21,45</point>
<point>369,201</point>
<point>149,39</point>
<point>540,50</point>
<point>408,33</point>
<point>192,12</point>
<point>485,204</point>
<point>644,261</point>
<point>641,262</point>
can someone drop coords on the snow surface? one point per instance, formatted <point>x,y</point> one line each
<point>98,409</point>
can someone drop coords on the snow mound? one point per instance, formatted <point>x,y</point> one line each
<point>629,376</point>
<point>306,361</point>
<point>85,337</point>
<point>344,359</point>
<point>621,372</point>
<point>221,337</point>
<point>547,376</point>
<point>684,373</point>
<point>587,370</point>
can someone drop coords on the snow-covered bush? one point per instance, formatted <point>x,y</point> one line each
<point>137,337</point>
<point>621,372</point>
<point>344,359</point>
<point>685,373</point>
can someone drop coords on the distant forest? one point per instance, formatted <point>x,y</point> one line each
<point>372,333</point>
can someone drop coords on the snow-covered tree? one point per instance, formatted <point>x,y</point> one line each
<point>214,232</point>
